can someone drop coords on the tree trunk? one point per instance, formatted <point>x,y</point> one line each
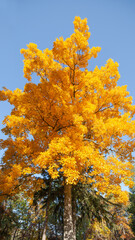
<point>68,220</point>
<point>39,230</point>
<point>44,237</point>
<point>44,233</point>
<point>74,218</point>
<point>45,224</point>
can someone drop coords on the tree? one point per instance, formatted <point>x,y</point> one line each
<point>7,221</point>
<point>74,122</point>
<point>86,207</point>
<point>131,208</point>
<point>19,220</point>
<point>51,199</point>
<point>117,228</point>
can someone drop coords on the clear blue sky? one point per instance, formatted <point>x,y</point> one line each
<point>111,23</point>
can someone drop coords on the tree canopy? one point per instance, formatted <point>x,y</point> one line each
<point>75,122</point>
<point>72,120</point>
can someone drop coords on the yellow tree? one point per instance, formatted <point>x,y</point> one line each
<point>75,122</point>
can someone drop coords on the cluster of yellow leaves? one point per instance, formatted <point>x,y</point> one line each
<point>74,122</point>
<point>100,230</point>
<point>9,178</point>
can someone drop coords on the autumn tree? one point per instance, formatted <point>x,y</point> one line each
<point>74,122</point>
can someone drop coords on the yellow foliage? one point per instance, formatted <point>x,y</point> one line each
<point>73,122</point>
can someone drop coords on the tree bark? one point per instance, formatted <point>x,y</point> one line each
<point>45,224</point>
<point>39,230</point>
<point>68,220</point>
<point>44,237</point>
<point>74,217</point>
<point>44,233</point>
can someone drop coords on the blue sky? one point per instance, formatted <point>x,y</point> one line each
<point>111,23</point>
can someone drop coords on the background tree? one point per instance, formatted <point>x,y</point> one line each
<point>131,208</point>
<point>74,122</point>
<point>51,198</point>
<point>117,226</point>
<point>8,221</point>
<point>20,220</point>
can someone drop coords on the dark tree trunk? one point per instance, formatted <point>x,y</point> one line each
<point>74,217</point>
<point>39,230</point>
<point>68,220</point>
